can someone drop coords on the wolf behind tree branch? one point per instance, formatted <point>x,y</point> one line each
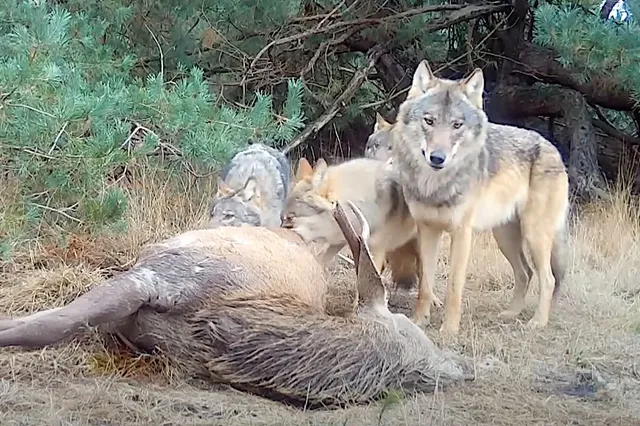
<point>462,174</point>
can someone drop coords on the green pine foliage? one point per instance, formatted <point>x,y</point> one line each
<point>71,97</point>
<point>589,45</point>
<point>593,47</point>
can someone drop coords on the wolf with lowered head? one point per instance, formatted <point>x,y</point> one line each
<point>252,188</point>
<point>372,186</point>
<point>460,173</point>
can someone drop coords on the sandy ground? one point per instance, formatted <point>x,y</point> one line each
<point>580,370</point>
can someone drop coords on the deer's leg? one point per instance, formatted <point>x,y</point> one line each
<point>110,302</point>
<point>7,323</point>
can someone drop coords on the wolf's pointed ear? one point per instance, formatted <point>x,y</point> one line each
<point>251,191</point>
<point>319,172</point>
<point>305,171</point>
<point>423,79</point>
<point>223,188</point>
<point>371,291</point>
<point>473,86</point>
<point>381,123</point>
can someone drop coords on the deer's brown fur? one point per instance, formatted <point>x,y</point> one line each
<point>245,305</point>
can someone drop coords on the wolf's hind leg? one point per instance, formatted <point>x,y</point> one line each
<point>509,240</point>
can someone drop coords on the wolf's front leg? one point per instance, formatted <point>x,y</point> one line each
<point>429,240</point>
<point>461,239</point>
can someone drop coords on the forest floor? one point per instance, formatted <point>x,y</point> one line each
<point>579,370</point>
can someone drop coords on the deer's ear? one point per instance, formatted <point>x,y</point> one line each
<point>251,191</point>
<point>371,291</point>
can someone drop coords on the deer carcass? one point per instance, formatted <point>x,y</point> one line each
<point>245,306</point>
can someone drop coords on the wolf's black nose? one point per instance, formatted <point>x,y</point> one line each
<point>437,158</point>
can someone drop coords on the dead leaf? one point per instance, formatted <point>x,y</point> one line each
<point>209,38</point>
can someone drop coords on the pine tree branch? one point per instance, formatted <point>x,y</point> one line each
<point>459,13</point>
<point>357,80</point>
<point>540,63</point>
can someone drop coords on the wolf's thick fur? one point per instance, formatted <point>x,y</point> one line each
<point>252,188</point>
<point>378,144</point>
<point>461,173</point>
<point>370,184</point>
<point>404,260</point>
<point>245,306</point>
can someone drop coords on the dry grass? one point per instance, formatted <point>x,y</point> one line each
<point>580,370</point>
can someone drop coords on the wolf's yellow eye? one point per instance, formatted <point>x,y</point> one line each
<point>428,121</point>
<point>457,125</point>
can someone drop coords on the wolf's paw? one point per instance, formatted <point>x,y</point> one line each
<point>422,320</point>
<point>449,329</point>
<point>536,323</point>
<point>435,301</point>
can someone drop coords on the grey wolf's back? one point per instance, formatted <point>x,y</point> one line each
<point>270,167</point>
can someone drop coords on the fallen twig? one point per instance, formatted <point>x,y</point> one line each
<point>346,259</point>
<point>60,212</point>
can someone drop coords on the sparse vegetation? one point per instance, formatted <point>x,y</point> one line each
<point>115,116</point>
<point>576,370</point>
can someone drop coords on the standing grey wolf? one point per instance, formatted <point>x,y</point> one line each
<point>370,184</point>
<point>461,173</point>
<point>252,188</point>
<point>245,306</point>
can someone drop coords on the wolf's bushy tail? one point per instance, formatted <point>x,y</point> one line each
<point>560,257</point>
<point>404,263</point>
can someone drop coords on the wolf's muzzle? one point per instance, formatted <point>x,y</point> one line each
<point>436,159</point>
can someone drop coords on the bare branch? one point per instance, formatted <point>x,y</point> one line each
<point>356,81</point>
<point>159,48</point>
<point>459,13</point>
<point>60,212</point>
<point>610,130</point>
